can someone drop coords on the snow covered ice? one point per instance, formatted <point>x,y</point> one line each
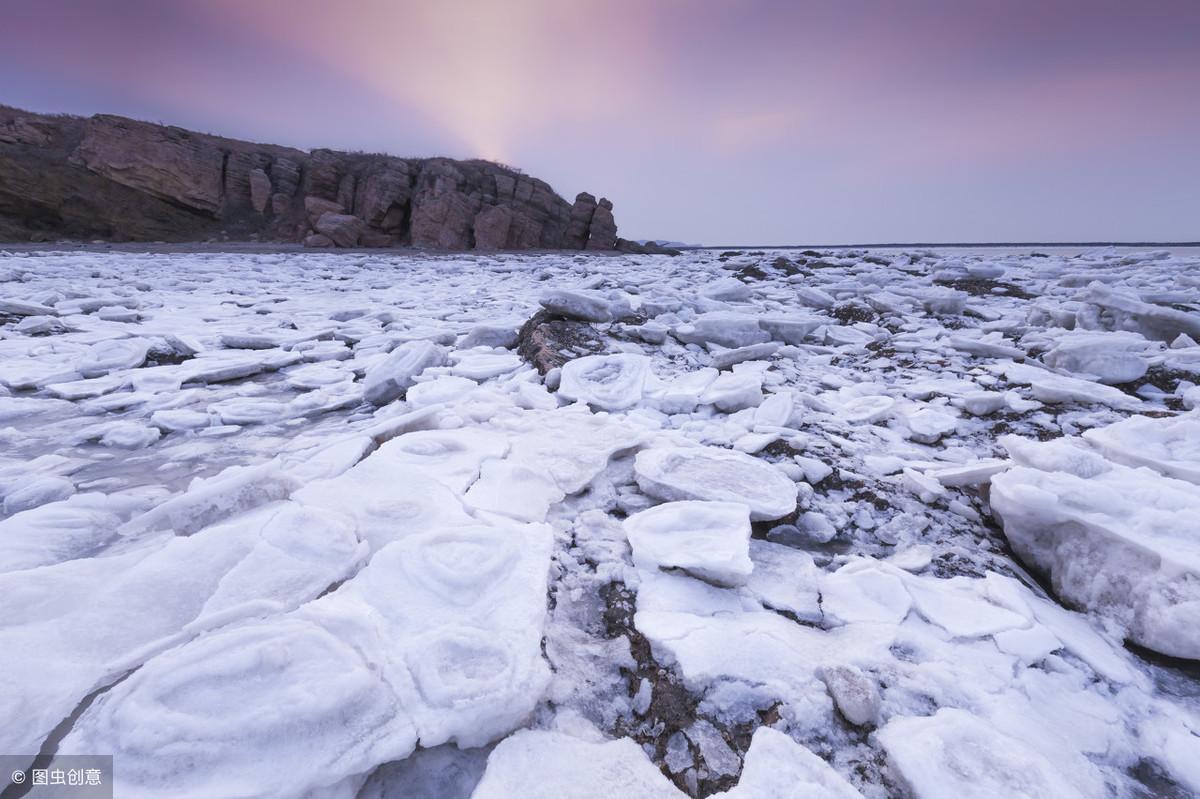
<point>745,524</point>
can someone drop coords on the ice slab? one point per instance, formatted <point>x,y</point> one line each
<point>65,644</point>
<point>1115,540</point>
<point>708,473</point>
<point>607,382</point>
<point>541,764</point>
<point>1169,446</point>
<point>953,753</point>
<point>709,540</point>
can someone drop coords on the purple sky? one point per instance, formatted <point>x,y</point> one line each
<point>713,121</point>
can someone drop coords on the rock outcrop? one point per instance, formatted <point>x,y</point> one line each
<point>120,179</point>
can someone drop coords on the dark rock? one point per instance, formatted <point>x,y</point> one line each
<point>602,232</point>
<point>344,230</point>
<point>547,342</point>
<point>317,207</point>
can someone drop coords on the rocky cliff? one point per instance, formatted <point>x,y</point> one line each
<point>124,180</point>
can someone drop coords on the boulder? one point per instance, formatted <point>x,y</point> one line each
<point>316,207</point>
<point>344,230</point>
<point>317,240</point>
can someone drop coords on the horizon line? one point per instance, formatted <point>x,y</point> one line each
<point>938,244</point>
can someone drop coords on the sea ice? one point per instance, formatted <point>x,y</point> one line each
<point>706,539</point>
<point>1114,540</point>
<point>607,382</point>
<point>708,473</point>
<point>953,753</point>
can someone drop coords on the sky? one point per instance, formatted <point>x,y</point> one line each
<point>720,122</point>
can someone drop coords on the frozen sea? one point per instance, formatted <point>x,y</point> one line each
<point>750,523</point>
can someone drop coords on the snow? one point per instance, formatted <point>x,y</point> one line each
<point>309,524</point>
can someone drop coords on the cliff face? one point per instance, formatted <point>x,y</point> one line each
<point>121,179</point>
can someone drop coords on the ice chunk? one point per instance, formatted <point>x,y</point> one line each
<point>1110,358</point>
<point>14,307</point>
<point>112,355</point>
<point>705,539</point>
<point>982,403</point>
<point>513,489</point>
<point>438,639</point>
<point>776,767</point>
<point>587,306</point>
<point>785,579</point>
<point>88,620</point>
<point>728,289</point>
<point>483,364</point>
<point>1131,313</point>
<point>125,435</point>
<point>854,693</point>
<point>791,329</point>
<point>708,473</point>
<point>866,410</point>
<point>539,764</point>
<point>569,445</point>
<point>738,389</point>
<point>928,424</point>
<point>453,457</point>
<point>754,352</point>
<point>1116,541</point>
<point>396,373</point>
<point>954,753</point>
<point>36,492</point>
<point>259,710</point>
<point>1052,388</point>
<point>862,591</point>
<point>682,394</point>
<point>723,328</point>
<point>76,527</point>
<point>173,421</point>
<point>234,490</point>
<point>608,382</point>
<point>760,648</point>
<point>955,605</point>
<point>969,474</point>
<point>1169,446</point>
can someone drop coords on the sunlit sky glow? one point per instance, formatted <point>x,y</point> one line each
<point>801,121</point>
